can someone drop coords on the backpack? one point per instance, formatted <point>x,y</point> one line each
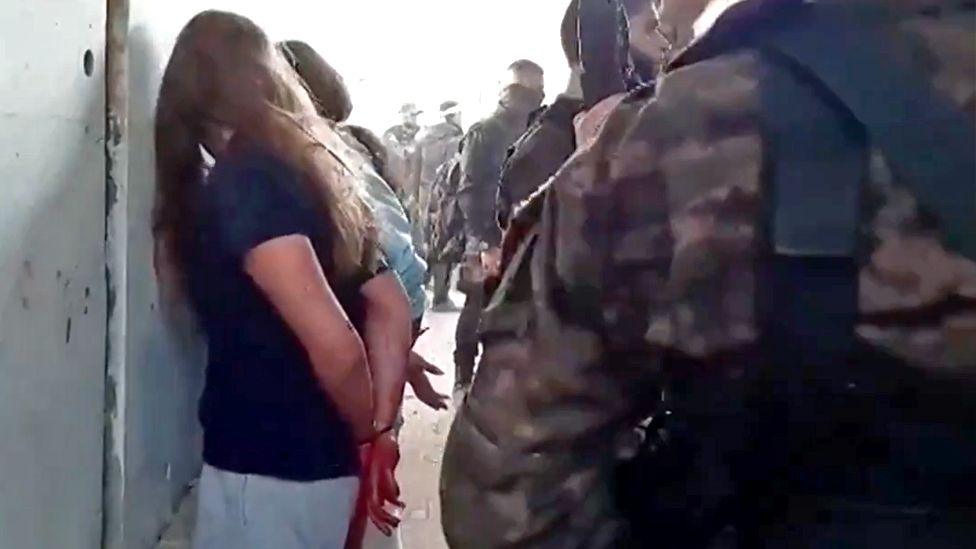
<point>447,224</point>
<point>832,443</point>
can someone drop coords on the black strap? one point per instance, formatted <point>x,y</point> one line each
<point>927,140</point>
<point>843,51</point>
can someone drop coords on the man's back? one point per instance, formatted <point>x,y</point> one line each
<point>485,147</point>
<point>438,144</point>
<point>646,250</point>
<point>538,153</point>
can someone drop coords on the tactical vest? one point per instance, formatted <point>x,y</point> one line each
<point>447,230</point>
<point>846,446</point>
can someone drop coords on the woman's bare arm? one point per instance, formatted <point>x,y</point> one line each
<point>288,272</point>
<point>388,335</point>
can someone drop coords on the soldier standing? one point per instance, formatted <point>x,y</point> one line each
<point>439,143</point>
<point>550,139</point>
<point>404,163</point>
<point>705,258</point>
<point>483,152</point>
<point>438,147</point>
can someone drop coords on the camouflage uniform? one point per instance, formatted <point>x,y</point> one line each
<point>447,221</point>
<point>642,253</point>
<point>404,168</point>
<point>438,147</point>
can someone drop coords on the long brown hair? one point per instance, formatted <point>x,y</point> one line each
<point>225,73</point>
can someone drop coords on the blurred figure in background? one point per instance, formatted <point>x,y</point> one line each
<point>550,139</point>
<point>374,148</point>
<point>438,147</point>
<point>447,230</point>
<point>404,157</point>
<point>527,74</point>
<point>484,149</point>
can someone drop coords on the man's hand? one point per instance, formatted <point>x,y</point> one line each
<point>417,376</point>
<point>491,261</point>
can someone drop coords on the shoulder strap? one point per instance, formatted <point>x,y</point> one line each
<point>928,142</point>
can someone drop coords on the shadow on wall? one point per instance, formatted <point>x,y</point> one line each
<point>165,355</point>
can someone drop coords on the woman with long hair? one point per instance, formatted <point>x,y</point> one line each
<point>273,247</point>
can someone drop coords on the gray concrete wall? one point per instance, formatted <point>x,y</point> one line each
<point>164,357</point>
<point>155,452</point>
<point>61,391</point>
<point>52,272</point>
<point>53,295</point>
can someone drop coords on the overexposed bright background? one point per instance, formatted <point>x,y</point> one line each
<point>424,51</point>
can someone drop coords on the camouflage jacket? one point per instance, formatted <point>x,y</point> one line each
<point>447,222</point>
<point>646,241</point>
<point>404,159</point>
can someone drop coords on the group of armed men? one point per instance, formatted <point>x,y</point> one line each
<point>723,287</point>
<point>418,158</point>
<point>452,187</point>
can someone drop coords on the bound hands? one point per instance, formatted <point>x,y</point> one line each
<point>378,488</point>
<point>380,460</point>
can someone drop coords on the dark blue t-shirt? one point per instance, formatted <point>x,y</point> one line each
<point>263,412</point>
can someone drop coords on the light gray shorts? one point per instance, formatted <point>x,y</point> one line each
<point>255,512</point>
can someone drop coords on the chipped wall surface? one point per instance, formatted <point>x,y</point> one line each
<point>54,391</point>
<point>52,291</point>
<point>98,383</point>
<point>164,357</point>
